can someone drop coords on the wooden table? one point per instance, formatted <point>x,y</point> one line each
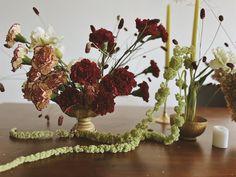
<point>183,159</point>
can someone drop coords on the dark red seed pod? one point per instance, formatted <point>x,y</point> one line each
<point>36,11</point>
<point>121,24</point>
<point>204,58</point>
<point>105,66</point>
<point>202,13</point>
<point>221,18</point>
<point>60,120</point>
<point>127,67</point>
<point>93,29</point>
<point>230,65</point>
<point>175,42</point>
<point>2,89</point>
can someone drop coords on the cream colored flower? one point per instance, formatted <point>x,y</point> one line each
<point>221,59</point>
<point>40,36</point>
<point>11,35</point>
<point>19,54</point>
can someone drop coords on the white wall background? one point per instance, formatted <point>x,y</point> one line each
<point>72,18</point>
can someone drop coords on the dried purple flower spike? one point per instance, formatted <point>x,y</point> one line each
<point>36,11</point>
<point>202,13</point>
<point>2,89</point>
<point>175,42</point>
<point>221,18</point>
<point>121,24</point>
<point>204,58</point>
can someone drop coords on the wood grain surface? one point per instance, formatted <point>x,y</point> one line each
<point>181,159</point>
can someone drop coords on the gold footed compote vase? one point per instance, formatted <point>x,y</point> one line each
<point>83,117</point>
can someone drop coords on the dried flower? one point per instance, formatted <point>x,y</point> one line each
<point>11,35</point>
<point>44,59</point>
<point>56,78</point>
<point>152,69</point>
<point>19,54</point>
<point>33,74</point>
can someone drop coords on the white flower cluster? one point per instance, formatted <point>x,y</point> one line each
<point>225,60</point>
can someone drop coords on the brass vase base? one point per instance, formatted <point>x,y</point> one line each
<point>84,124</point>
<point>164,119</point>
<point>191,129</point>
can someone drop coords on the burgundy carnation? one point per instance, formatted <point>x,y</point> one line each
<point>123,81</point>
<point>148,27</point>
<point>107,85</point>
<point>142,91</point>
<point>102,36</point>
<point>103,103</point>
<point>70,97</point>
<point>85,72</point>
<point>153,69</point>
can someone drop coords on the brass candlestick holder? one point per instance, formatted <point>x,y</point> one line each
<point>165,118</point>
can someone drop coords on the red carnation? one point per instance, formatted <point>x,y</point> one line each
<point>103,103</point>
<point>85,72</point>
<point>102,36</point>
<point>123,81</point>
<point>142,91</point>
<point>107,85</point>
<point>152,69</point>
<point>70,97</point>
<point>148,27</point>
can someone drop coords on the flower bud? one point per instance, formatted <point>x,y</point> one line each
<point>2,89</point>
<point>226,44</point>
<point>202,13</point>
<point>60,120</point>
<point>194,65</point>
<point>88,47</point>
<point>126,29</point>
<point>93,29</point>
<point>163,48</point>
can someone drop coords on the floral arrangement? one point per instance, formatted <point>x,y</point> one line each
<point>84,85</point>
<point>224,72</point>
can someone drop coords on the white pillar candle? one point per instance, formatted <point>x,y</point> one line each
<point>220,136</point>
